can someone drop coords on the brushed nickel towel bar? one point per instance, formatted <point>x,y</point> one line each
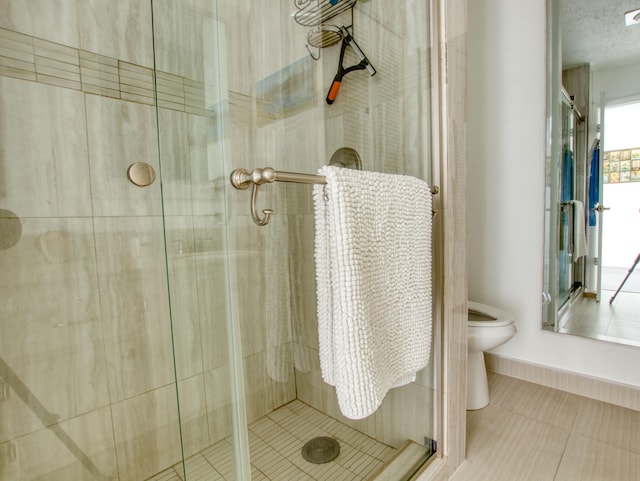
<point>241,179</point>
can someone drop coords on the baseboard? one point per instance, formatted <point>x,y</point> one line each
<point>568,381</point>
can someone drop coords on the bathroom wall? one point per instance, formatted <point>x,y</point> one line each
<point>505,192</point>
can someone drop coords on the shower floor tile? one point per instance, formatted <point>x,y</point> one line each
<point>275,443</point>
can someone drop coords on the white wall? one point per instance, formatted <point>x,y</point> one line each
<point>506,53</point>
<point>621,235</point>
<point>615,83</point>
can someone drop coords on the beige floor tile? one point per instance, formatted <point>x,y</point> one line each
<point>610,424</point>
<point>533,400</point>
<point>530,432</point>
<point>510,447</point>
<point>586,459</point>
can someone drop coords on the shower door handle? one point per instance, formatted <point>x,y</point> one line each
<point>600,208</point>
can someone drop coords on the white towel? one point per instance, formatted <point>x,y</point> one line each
<point>373,274</point>
<point>579,234</point>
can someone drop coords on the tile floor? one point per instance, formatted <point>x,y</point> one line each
<point>276,441</point>
<point>531,432</point>
<point>617,322</point>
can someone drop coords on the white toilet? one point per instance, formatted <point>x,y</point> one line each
<point>487,327</point>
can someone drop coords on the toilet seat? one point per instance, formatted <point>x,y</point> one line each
<point>482,315</point>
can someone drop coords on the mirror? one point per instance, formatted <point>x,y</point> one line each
<point>592,192</point>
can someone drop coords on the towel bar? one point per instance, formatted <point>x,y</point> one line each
<point>241,179</point>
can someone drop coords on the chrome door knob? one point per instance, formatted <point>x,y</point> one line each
<point>601,208</point>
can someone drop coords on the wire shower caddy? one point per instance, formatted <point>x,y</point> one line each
<point>312,13</point>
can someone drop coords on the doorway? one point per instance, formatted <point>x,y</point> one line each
<point>616,316</point>
<point>621,228</point>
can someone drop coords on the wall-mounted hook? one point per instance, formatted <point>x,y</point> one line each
<point>254,210</point>
<point>311,53</point>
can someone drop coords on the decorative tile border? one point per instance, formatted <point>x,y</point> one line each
<point>17,58</point>
<point>56,64</point>
<point>37,60</point>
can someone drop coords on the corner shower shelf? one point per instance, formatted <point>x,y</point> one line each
<point>316,12</point>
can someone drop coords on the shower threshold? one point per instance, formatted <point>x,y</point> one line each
<point>276,441</point>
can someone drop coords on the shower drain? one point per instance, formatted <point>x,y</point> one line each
<point>321,450</point>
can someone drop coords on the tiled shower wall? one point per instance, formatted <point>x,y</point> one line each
<point>87,325</point>
<point>386,119</point>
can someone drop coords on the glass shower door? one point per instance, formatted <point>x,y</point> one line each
<point>566,194</point>
<point>115,291</point>
<point>238,88</point>
<point>192,114</point>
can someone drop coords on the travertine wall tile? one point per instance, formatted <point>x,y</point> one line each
<point>43,139</point>
<point>52,453</point>
<point>119,29</point>
<point>135,311</point>
<point>54,262</point>
<point>53,20</point>
<point>119,134</point>
<point>147,435</point>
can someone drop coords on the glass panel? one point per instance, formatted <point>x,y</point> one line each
<point>192,115</point>
<point>553,162</point>
<point>87,377</point>
<point>565,261</point>
<point>237,87</point>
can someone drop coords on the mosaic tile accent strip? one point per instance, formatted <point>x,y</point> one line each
<point>37,60</point>
<point>136,83</point>
<point>194,96</point>
<point>170,91</point>
<point>99,75</point>
<point>17,58</point>
<point>57,64</point>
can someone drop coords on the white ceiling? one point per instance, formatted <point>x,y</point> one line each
<point>593,32</point>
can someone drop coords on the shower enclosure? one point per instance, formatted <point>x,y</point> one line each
<point>571,186</point>
<point>148,328</point>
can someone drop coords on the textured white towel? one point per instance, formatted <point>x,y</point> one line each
<point>373,274</point>
<point>579,232</point>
